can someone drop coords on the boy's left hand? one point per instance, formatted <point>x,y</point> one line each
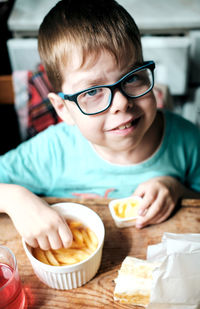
<point>160,196</point>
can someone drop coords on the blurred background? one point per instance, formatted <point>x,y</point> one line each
<point>170,36</point>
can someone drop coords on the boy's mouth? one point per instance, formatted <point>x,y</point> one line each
<point>128,125</point>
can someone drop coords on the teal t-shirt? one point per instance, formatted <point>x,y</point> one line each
<point>61,162</point>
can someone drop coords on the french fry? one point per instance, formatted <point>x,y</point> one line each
<point>60,251</point>
<point>66,259</point>
<point>51,258</point>
<point>70,256</point>
<point>82,255</point>
<point>74,224</point>
<point>92,237</point>
<point>87,240</point>
<point>65,251</point>
<point>74,245</point>
<point>40,255</point>
<point>87,250</point>
<point>78,237</point>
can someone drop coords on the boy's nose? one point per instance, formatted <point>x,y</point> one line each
<point>119,102</point>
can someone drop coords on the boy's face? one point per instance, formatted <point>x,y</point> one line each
<point>121,128</point>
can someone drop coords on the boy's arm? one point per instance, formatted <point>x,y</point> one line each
<point>39,224</point>
<point>160,196</point>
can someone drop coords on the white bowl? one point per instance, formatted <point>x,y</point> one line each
<point>76,275</point>
<point>124,222</point>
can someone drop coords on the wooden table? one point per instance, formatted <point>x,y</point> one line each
<point>98,293</point>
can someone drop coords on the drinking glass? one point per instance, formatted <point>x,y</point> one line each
<point>11,293</point>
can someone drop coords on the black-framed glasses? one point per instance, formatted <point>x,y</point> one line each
<point>97,99</point>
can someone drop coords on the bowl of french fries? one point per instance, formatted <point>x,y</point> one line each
<point>68,268</point>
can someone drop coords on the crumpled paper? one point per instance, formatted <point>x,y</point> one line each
<point>176,282</point>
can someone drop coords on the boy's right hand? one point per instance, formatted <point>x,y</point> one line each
<point>37,223</point>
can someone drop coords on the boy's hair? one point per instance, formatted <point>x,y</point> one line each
<point>86,26</point>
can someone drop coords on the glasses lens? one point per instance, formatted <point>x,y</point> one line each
<point>138,83</point>
<point>94,100</point>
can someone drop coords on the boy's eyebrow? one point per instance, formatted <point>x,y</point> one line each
<point>134,66</point>
<point>130,68</point>
<point>83,84</point>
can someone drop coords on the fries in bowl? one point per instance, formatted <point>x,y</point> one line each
<point>69,268</point>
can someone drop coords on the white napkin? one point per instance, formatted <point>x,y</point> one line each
<point>176,282</point>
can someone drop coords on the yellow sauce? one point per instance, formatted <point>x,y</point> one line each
<point>127,208</point>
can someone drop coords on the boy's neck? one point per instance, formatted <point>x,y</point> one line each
<point>143,151</point>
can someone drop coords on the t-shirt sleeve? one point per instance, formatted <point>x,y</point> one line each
<point>193,166</point>
<point>32,163</point>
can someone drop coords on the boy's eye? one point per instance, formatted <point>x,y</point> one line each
<point>93,92</point>
<point>132,79</point>
<point>91,95</point>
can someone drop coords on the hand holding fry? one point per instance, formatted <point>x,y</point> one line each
<point>39,224</point>
<point>83,245</point>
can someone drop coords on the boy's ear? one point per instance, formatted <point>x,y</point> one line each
<point>60,107</point>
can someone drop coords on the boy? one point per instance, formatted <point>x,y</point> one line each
<point>112,135</point>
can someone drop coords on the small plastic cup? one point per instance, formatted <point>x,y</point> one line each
<point>12,295</point>
<point>125,221</point>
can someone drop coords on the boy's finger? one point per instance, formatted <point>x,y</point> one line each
<point>165,214</point>
<point>150,214</point>
<point>154,220</point>
<point>65,235</point>
<point>165,207</point>
<point>147,201</point>
<point>157,213</point>
<point>55,240</point>
<point>32,242</point>
<point>43,242</point>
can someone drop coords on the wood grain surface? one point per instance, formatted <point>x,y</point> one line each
<point>98,293</point>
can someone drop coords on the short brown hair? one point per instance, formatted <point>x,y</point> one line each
<point>88,26</point>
